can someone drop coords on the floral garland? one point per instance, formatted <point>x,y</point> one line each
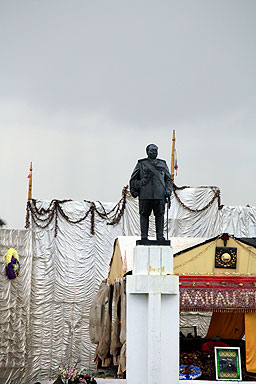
<point>12,263</point>
<point>216,195</point>
<point>76,376</point>
<point>43,217</point>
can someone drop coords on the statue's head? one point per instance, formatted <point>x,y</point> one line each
<point>152,151</point>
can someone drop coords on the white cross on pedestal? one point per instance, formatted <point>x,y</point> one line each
<point>152,318</point>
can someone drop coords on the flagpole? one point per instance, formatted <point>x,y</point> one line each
<point>168,201</point>
<point>30,182</point>
<point>172,156</point>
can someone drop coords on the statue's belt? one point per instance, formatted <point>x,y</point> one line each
<point>154,171</point>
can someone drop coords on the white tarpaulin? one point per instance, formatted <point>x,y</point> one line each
<point>68,268</point>
<point>14,308</point>
<point>200,320</point>
<point>67,271</point>
<point>196,213</point>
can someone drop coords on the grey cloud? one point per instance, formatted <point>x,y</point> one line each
<point>144,62</point>
<point>86,85</point>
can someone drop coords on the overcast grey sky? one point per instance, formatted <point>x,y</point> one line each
<point>86,85</point>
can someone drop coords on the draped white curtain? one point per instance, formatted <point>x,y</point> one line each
<point>67,271</point>
<point>15,307</point>
<point>200,320</point>
<point>44,313</point>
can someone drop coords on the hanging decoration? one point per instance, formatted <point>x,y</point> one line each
<point>43,217</point>
<point>12,263</point>
<point>176,162</point>
<point>217,293</point>
<point>225,257</point>
<point>253,254</point>
<point>216,195</point>
<point>197,255</point>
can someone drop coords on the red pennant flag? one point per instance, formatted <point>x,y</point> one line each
<point>175,162</point>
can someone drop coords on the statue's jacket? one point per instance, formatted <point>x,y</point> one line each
<point>149,185</point>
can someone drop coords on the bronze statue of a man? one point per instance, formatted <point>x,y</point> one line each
<point>152,183</point>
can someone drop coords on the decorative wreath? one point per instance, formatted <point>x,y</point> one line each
<point>12,263</point>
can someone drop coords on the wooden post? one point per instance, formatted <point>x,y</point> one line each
<point>30,182</point>
<point>172,156</point>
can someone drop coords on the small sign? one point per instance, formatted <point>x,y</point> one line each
<point>228,363</point>
<point>225,257</point>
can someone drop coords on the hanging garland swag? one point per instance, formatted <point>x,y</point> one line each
<point>216,195</point>
<point>43,217</point>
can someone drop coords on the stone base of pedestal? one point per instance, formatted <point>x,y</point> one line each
<point>148,242</point>
<point>153,260</point>
<point>152,318</point>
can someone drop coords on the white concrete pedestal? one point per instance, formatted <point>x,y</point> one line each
<point>152,318</point>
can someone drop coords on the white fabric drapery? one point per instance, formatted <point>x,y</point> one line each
<point>15,298</point>
<point>44,314</point>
